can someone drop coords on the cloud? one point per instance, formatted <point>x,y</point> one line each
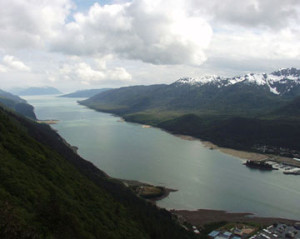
<point>14,64</point>
<point>158,32</point>
<point>246,44</point>
<point>68,46</point>
<point>87,74</point>
<point>3,68</point>
<point>28,24</point>
<point>180,32</point>
<point>273,14</point>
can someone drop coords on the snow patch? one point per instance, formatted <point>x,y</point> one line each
<point>290,76</point>
<point>199,81</point>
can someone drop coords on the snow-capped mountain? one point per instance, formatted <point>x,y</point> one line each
<point>206,79</point>
<point>279,82</point>
<point>250,94</point>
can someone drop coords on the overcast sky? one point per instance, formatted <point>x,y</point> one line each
<point>80,44</point>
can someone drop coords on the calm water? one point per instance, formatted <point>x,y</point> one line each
<point>204,178</point>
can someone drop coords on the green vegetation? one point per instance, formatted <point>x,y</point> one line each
<point>17,104</point>
<point>48,191</point>
<point>240,116</point>
<point>238,132</point>
<point>148,191</point>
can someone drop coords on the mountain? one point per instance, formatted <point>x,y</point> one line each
<point>252,92</point>
<point>238,95</point>
<point>39,91</point>
<point>289,110</point>
<point>48,191</point>
<point>17,104</point>
<point>85,93</point>
<point>281,82</point>
<point>214,101</point>
<point>276,136</point>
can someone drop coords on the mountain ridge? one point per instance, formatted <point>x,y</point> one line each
<point>254,92</point>
<point>216,102</point>
<point>273,80</point>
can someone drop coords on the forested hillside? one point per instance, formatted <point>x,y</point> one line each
<point>48,191</point>
<point>17,104</point>
<point>252,112</point>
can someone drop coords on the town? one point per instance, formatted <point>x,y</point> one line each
<point>241,231</point>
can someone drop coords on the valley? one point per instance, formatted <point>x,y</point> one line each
<point>140,119</point>
<point>202,176</point>
<point>255,112</point>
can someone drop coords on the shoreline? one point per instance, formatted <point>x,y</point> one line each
<point>243,155</point>
<point>205,216</point>
<point>51,121</point>
<point>202,217</point>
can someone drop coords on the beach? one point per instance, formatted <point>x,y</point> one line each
<point>245,155</point>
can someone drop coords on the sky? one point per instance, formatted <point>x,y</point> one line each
<point>83,44</point>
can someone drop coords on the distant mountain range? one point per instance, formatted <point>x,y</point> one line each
<point>269,100</point>
<point>17,104</point>
<point>37,91</point>
<point>85,93</point>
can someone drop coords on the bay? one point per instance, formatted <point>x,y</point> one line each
<point>204,178</point>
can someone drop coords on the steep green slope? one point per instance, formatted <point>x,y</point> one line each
<point>239,99</point>
<point>17,104</point>
<point>48,191</point>
<point>289,110</point>
<point>126,99</point>
<point>242,116</point>
<point>269,135</point>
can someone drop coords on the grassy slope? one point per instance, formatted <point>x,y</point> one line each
<point>47,191</point>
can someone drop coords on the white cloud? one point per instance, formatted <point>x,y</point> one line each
<point>30,23</point>
<point>282,45</point>
<point>97,74</point>
<point>14,64</point>
<point>273,14</point>
<point>102,44</point>
<point>87,74</point>
<point>158,32</point>
<point>3,68</point>
<point>51,79</point>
